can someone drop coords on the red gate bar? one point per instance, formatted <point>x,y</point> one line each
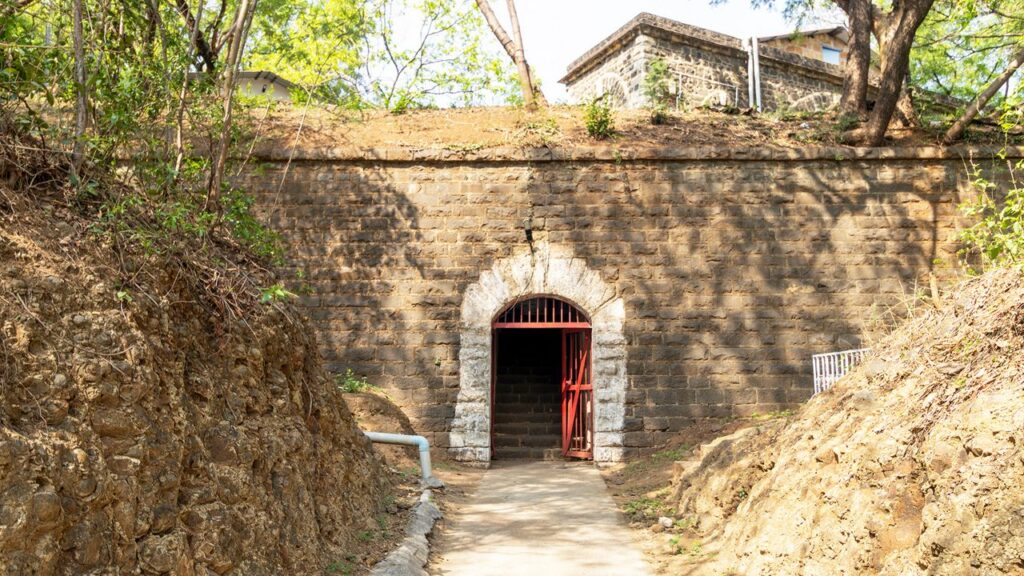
<point>542,312</point>
<point>577,395</point>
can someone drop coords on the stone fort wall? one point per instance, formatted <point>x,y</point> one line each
<point>730,266</point>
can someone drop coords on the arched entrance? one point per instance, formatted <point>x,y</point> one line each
<point>541,381</point>
<point>542,268</point>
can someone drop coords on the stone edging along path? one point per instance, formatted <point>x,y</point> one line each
<point>410,558</point>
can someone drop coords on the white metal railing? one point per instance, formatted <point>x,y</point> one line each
<point>828,368</point>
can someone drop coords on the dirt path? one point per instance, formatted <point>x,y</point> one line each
<point>538,518</point>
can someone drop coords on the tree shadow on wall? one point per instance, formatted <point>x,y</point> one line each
<point>731,285</point>
<point>353,255</point>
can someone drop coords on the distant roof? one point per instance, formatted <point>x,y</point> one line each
<point>653,22</point>
<point>837,31</point>
<point>264,75</point>
<point>254,75</point>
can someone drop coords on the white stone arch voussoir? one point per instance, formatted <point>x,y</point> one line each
<point>550,270</point>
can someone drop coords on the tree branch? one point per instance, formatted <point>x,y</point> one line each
<point>206,53</point>
<point>958,127</point>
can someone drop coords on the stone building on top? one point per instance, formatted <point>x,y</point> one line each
<point>800,71</point>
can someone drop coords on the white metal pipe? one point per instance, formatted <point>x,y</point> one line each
<point>750,71</point>
<point>757,71</point>
<point>426,473</point>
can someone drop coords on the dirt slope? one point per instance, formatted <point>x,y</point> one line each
<point>913,464</point>
<point>473,129</point>
<point>145,432</point>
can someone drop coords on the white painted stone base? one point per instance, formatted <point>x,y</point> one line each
<point>548,270</point>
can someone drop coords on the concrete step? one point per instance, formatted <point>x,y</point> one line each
<point>501,407</point>
<point>528,398</point>
<point>527,453</point>
<point>528,428</point>
<point>527,440</point>
<point>502,417</point>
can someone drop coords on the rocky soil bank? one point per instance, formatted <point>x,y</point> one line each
<point>912,464</point>
<point>145,430</point>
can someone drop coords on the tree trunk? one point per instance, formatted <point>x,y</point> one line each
<point>81,96</point>
<point>240,28</point>
<point>858,60</point>
<point>514,49</point>
<point>974,108</point>
<point>206,52</point>
<point>906,112</point>
<point>895,35</point>
<point>179,119</point>
<point>520,58</point>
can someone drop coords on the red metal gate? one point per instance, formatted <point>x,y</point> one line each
<point>577,385</point>
<point>577,395</point>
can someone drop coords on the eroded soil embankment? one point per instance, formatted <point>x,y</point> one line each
<point>912,464</point>
<point>144,429</point>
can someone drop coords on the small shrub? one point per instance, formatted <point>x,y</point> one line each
<point>340,567</point>
<point>645,508</point>
<point>997,236</point>
<point>275,293</point>
<point>677,547</point>
<point>656,90</point>
<point>351,383</point>
<point>599,119</point>
<point>846,122</point>
<point>248,230</point>
<point>671,454</point>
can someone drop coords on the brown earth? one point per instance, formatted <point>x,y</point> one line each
<point>912,464</point>
<point>643,488</point>
<point>142,430</point>
<point>471,129</point>
<point>374,412</point>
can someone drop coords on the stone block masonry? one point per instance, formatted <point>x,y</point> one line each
<point>704,67</point>
<point>712,275</point>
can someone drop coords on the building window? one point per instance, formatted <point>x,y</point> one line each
<point>830,54</point>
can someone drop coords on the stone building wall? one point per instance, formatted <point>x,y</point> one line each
<point>705,67</point>
<point>705,74</point>
<point>620,76</point>
<point>808,45</point>
<point>791,82</point>
<point>712,275</point>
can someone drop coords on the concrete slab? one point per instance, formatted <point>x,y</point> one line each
<point>539,519</point>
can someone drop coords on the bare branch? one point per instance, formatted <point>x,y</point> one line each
<point>958,127</point>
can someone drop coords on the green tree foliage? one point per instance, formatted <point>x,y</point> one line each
<point>997,236</point>
<point>141,89</point>
<point>425,53</point>
<point>964,44</point>
<point>390,54</point>
<point>316,44</point>
<point>133,70</point>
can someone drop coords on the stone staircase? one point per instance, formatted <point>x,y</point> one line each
<point>528,428</point>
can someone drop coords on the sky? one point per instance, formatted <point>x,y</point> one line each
<point>556,32</point>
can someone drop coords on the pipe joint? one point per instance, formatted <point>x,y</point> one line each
<point>427,478</point>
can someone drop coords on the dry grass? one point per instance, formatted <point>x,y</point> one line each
<point>557,126</point>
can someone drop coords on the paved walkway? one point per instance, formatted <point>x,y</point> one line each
<point>539,519</point>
